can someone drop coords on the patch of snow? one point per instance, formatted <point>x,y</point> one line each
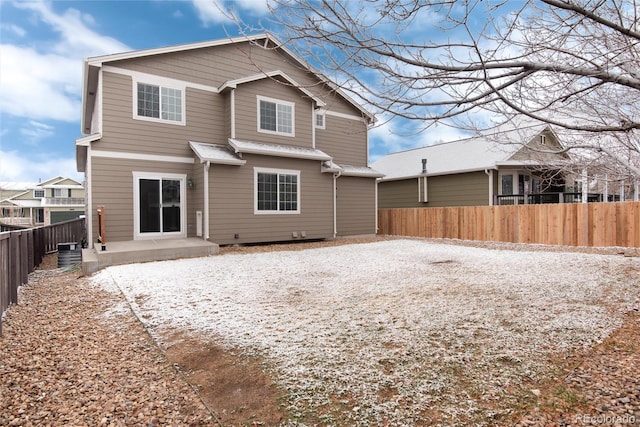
<point>384,325</point>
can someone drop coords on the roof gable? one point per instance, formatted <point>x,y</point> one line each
<point>232,84</point>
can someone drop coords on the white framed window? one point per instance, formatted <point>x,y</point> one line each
<point>38,194</point>
<point>276,191</point>
<point>61,192</point>
<point>158,102</point>
<point>276,116</point>
<point>320,120</point>
<point>543,140</point>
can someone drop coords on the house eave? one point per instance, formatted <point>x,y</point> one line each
<point>215,153</point>
<point>249,147</point>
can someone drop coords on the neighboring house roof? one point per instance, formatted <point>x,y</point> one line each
<point>25,203</point>
<point>16,186</point>
<point>465,155</point>
<point>92,66</point>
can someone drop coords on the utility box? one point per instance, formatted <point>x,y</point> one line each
<point>69,254</point>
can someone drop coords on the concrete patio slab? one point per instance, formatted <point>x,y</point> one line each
<point>136,251</point>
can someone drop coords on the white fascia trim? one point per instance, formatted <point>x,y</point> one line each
<point>85,141</point>
<point>155,79</point>
<point>140,156</point>
<point>99,60</point>
<point>345,116</point>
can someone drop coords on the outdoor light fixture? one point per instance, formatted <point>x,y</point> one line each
<point>189,182</point>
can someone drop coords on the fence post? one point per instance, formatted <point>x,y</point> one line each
<point>14,267</point>
<point>102,238</point>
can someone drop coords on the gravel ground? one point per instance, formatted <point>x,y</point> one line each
<point>63,361</point>
<point>68,358</point>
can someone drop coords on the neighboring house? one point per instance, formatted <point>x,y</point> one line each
<point>506,168</point>
<point>233,141</point>
<point>55,200</point>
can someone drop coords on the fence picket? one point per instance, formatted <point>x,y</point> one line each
<point>570,224</point>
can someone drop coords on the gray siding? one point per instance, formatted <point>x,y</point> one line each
<point>215,65</point>
<point>112,187</point>
<point>356,210</point>
<point>205,122</point>
<point>344,139</point>
<point>231,188</point>
<point>466,189</point>
<point>247,113</point>
<point>232,203</point>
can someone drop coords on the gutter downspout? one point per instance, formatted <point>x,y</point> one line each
<point>88,191</point>
<point>489,173</point>
<point>232,107</point>
<point>336,175</point>
<point>206,200</point>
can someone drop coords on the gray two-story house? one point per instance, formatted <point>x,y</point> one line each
<point>232,141</point>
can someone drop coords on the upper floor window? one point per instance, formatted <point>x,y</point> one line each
<point>38,194</point>
<point>320,120</point>
<point>275,116</point>
<point>61,193</point>
<point>159,102</point>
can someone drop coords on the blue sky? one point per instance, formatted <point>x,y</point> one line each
<point>43,43</point>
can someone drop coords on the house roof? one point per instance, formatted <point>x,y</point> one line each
<point>92,66</point>
<point>215,153</point>
<point>16,186</point>
<point>278,150</point>
<point>465,155</point>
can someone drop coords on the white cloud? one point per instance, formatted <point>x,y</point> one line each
<point>219,11</point>
<point>35,131</point>
<point>77,39</point>
<point>210,12</point>
<point>37,85</point>
<point>15,29</point>
<point>391,136</point>
<point>15,167</point>
<point>43,81</point>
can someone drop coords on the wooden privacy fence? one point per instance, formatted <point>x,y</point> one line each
<point>571,224</point>
<point>22,250</point>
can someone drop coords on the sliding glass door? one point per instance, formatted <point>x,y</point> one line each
<point>160,205</point>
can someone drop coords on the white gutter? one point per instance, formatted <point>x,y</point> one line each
<point>376,203</point>
<point>88,210</point>
<point>313,128</point>
<point>335,204</point>
<point>206,200</point>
